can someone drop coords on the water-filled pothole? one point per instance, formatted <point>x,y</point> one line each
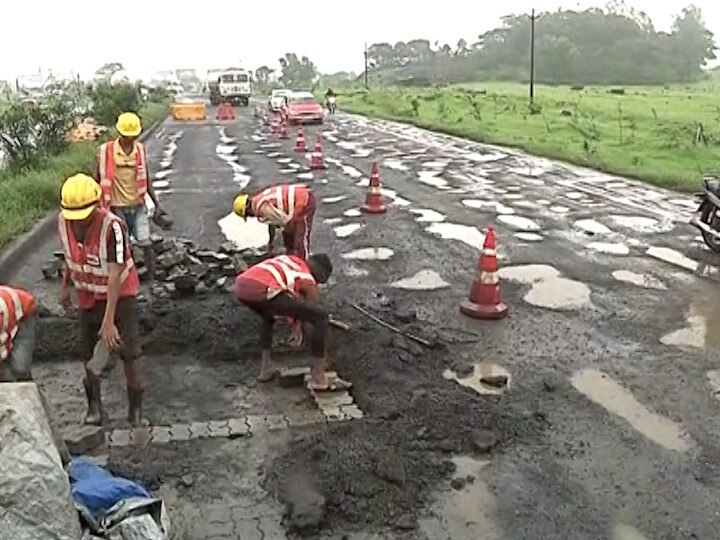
<point>245,234</point>
<point>369,254</point>
<point>485,378</point>
<point>455,231</point>
<point>424,280</point>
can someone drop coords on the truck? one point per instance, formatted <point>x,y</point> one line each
<point>234,85</point>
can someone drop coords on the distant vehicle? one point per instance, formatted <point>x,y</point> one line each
<point>277,99</point>
<point>707,217</point>
<point>234,86</point>
<point>303,108</point>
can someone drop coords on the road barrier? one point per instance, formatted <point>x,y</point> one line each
<point>189,111</point>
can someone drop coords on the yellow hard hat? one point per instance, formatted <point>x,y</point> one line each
<point>240,205</point>
<point>80,195</point>
<point>128,124</point>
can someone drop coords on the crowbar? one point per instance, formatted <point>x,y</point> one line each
<point>391,327</point>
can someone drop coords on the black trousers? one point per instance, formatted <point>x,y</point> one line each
<point>286,305</point>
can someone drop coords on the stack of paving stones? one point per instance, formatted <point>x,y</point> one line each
<point>182,267</point>
<point>333,407</point>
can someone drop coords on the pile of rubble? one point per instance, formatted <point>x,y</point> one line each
<point>87,130</point>
<point>181,267</point>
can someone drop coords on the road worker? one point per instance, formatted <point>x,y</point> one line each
<point>290,207</point>
<point>287,286</point>
<point>122,171</point>
<point>18,335</point>
<point>98,260</point>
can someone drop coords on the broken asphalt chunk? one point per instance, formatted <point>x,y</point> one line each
<point>83,439</point>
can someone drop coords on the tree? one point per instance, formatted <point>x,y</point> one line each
<point>106,71</point>
<point>693,43</point>
<point>262,77</point>
<point>297,72</point>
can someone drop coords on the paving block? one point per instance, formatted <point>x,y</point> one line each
<point>352,411</point>
<point>292,377</point>
<point>238,427</point>
<point>199,430</point>
<point>332,399</point>
<point>180,432</point>
<point>83,439</point>
<point>333,414</point>
<point>119,437</point>
<point>304,418</point>
<point>256,423</point>
<point>160,434</point>
<point>218,428</point>
<point>275,422</point>
<point>140,436</point>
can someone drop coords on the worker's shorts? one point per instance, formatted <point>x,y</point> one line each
<point>126,320</point>
<point>16,368</point>
<point>137,221</point>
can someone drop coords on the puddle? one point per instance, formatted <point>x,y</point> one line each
<point>165,163</point>
<point>673,257</point>
<point>346,230</point>
<point>369,254</point>
<point>162,174</point>
<point>330,200</point>
<point>306,176</point>
<point>527,171</point>
<point>485,158</point>
<point>431,178</point>
<point>284,160</point>
<point>621,531</point>
<point>685,203</point>
<point>454,231</point>
<point>513,197</point>
<point>395,164</point>
<point>528,237</point>
<point>524,204</point>
<point>639,223</point>
<point>574,195</point>
<point>348,145</point>
<point>427,215</point>
<point>258,151</point>
<point>294,166</point>
<point>273,154</point>
<point>479,371</point>
<point>641,280</point>
<point>609,248</point>
<point>519,223</point>
<point>161,184</point>
<point>396,199</point>
<point>352,172</point>
<point>354,271</point>
<point>603,390</point>
<point>549,290</point>
<point>543,202</point>
<point>466,513</point>
<point>559,209</point>
<point>238,168</point>
<point>242,179</point>
<point>353,212</point>
<point>436,164</point>
<point>691,336</point>
<point>332,221</point>
<point>288,171</point>
<point>245,234</point>
<point>424,280</point>
<point>224,149</point>
<point>591,226</point>
<point>488,206</point>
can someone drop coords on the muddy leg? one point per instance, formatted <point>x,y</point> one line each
<point>149,254</point>
<point>135,391</point>
<point>268,368</point>
<point>93,392</point>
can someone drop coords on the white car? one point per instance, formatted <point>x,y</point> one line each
<point>277,99</point>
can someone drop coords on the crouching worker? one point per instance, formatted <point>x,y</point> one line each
<point>287,286</point>
<point>18,335</point>
<point>290,207</point>
<point>99,262</point>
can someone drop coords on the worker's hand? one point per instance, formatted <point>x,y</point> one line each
<point>296,336</point>
<point>110,335</point>
<point>64,297</point>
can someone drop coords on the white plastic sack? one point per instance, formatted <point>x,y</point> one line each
<point>35,500</point>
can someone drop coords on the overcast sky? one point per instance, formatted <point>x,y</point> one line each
<point>81,35</point>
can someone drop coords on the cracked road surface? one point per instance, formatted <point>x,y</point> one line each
<point>609,428</point>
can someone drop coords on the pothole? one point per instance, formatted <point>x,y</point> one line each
<point>519,223</point>
<point>591,226</point>
<point>353,212</point>
<point>305,176</point>
<point>603,390</point>
<point>424,280</point>
<point>574,195</point>
<point>224,149</point>
<point>549,290</point>
<point>528,237</point>
<point>162,174</point>
<point>673,257</point>
<point>346,230</point>
<point>485,378</point>
<point>609,248</point>
<point>641,280</point>
<point>330,200</point>
<point>454,231</point>
<point>369,254</point>
<point>161,184</point>
<point>244,234</point>
<point>431,178</point>
<point>691,336</point>
<point>395,164</point>
<point>354,271</point>
<point>488,206</point>
<point>559,209</point>
<point>427,215</point>
<point>332,221</point>
<point>640,224</point>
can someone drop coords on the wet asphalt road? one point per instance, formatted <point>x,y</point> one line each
<point>612,297</point>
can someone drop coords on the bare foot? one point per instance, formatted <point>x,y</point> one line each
<point>322,383</point>
<point>268,372</point>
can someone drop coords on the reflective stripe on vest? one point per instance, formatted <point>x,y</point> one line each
<point>106,162</point>
<point>10,319</point>
<point>79,271</point>
<point>274,196</point>
<point>286,272</point>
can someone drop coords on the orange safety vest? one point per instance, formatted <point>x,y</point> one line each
<point>88,264</point>
<point>291,199</point>
<point>106,166</point>
<point>15,305</point>
<point>284,272</point>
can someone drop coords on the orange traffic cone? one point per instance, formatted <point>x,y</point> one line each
<point>300,141</point>
<point>484,300</point>
<point>316,161</point>
<point>374,201</point>
<point>284,130</point>
<point>225,111</point>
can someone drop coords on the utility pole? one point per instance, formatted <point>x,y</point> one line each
<point>532,56</point>
<point>366,66</point>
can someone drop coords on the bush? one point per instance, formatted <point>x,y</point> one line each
<point>108,101</point>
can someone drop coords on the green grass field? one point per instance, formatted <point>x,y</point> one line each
<point>27,196</point>
<point>647,133</point>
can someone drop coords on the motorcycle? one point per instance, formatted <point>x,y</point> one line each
<point>331,104</point>
<point>707,217</point>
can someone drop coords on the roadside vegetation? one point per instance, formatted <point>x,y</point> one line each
<point>612,92</point>
<point>37,156</point>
